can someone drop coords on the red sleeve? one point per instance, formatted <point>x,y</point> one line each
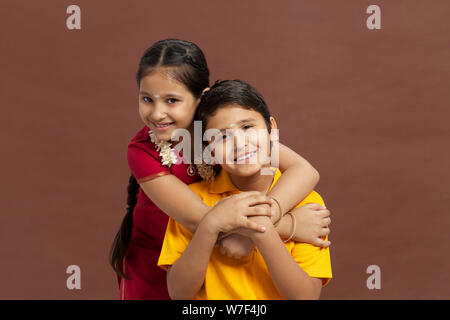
<point>144,165</point>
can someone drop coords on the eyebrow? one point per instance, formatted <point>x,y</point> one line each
<point>166,95</point>
<point>239,122</point>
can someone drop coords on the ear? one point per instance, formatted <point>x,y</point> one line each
<point>273,130</point>
<point>205,90</point>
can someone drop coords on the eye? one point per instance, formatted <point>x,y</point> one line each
<point>172,100</point>
<point>247,126</point>
<point>221,138</point>
<point>146,99</point>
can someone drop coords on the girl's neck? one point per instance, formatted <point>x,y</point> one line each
<point>255,182</point>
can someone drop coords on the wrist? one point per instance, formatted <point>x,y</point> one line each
<point>284,226</point>
<point>259,238</point>
<point>208,226</point>
<point>278,212</point>
<point>294,227</point>
<point>265,222</point>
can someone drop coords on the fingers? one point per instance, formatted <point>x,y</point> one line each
<point>321,243</point>
<point>314,206</point>
<point>324,213</point>
<point>325,222</point>
<point>325,232</point>
<point>250,198</point>
<point>257,199</point>
<point>259,211</point>
<point>249,224</point>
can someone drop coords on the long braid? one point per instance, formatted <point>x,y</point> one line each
<point>123,236</point>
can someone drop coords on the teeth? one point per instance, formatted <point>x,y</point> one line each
<point>162,126</point>
<point>247,156</point>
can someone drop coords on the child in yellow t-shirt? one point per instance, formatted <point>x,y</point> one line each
<point>274,269</point>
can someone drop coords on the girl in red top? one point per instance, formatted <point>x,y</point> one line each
<point>172,76</point>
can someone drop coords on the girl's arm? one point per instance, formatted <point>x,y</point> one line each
<point>288,277</point>
<point>176,200</point>
<point>298,176</point>
<point>183,205</point>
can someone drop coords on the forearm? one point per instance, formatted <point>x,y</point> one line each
<point>298,174</point>
<point>302,178</point>
<point>185,278</point>
<point>284,227</point>
<point>289,278</point>
<point>176,200</point>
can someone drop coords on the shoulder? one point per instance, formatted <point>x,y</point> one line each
<point>142,139</point>
<point>142,149</point>
<point>143,159</point>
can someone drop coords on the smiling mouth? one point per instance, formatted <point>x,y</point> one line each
<point>162,125</point>
<point>245,156</point>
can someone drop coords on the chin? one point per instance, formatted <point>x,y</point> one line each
<point>162,136</point>
<point>243,170</point>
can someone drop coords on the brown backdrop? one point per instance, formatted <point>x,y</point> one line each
<point>368,108</point>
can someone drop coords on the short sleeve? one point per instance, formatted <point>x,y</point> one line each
<point>143,164</point>
<point>315,261</point>
<point>176,240</point>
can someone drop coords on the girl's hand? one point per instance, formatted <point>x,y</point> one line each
<point>236,246</point>
<point>312,224</point>
<point>232,212</point>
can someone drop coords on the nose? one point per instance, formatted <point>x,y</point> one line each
<point>158,113</point>
<point>241,140</point>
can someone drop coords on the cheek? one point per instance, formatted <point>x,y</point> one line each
<point>144,109</point>
<point>222,152</point>
<point>264,145</point>
<point>183,114</point>
<point>219,154</point>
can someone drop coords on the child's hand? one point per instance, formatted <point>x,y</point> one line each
<point>312,224</point>
<point>236,246</point>
<point>232,212</point>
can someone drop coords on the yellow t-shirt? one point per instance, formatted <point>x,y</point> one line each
<point>247,278</point>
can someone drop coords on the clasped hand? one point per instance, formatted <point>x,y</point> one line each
<point>313,222</point>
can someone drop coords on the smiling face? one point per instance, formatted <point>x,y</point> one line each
<point>244,144</point>
<point>165,104</point>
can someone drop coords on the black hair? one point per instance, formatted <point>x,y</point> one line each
<point>228,92</point>
<point>184,59</point>
<point>187,64</point>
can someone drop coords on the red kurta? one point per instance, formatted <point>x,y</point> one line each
<point>146,279</point>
